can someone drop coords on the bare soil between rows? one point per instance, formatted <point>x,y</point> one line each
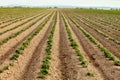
<point>97,57</point>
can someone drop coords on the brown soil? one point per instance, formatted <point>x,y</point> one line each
<point>34,65</point>
<point>114,49</point>
<point>14,43</point>
<point>97,58</point>
<point>18,29</point>
<point>15,24</point>
<point>55,73</point>
<point>107,31</point>
<point>23,64</point>
<point>12,21</point>
<point>68,68</point>
<point>65,64</point>
<point>70,65</point>
<point>91,67</point>
<point>19,22</point>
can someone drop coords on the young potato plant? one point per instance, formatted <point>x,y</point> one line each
<point>4,69</point>
<point>91,74</point>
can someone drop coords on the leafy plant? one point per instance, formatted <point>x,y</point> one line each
<point>117,63</point>
<point>91,74</point>
<point>14,57</point>
<point>11,64</point>
<point>43,73</point>
<point>1,71</point>
<point>6,68</point>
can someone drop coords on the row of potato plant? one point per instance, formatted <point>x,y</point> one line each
<point>19,51</point>
<point>18,25</point>
<point>19,32</point>
<point>27,42</point>
<point>74,45</point>
<point>46,62</point>
<point>11,19</point>
<point>103,34</point>
<point>14,21</point>
<point>113,26</point>
<point>106,52</point>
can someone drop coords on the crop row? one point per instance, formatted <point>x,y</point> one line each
<point>18,25</point>
<point>17,21</point>
<point>13,13</point>
<point>103,34</point>
<point>107,28</point>
<point>107,53</point>
<point>95,21</point>
<point>111,24</point>
<point>19,51</point>
<point>27,42</point>
<point>46,62</point>
<point>19,32</point>
<point>14,21</point>
<point>74,45</point>
<point>10,20</point>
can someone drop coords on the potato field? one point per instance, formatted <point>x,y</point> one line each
<point>59,44</point>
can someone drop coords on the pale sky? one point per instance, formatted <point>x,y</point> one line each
<point>87,3</point>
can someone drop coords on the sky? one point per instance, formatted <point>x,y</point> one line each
<point>78,3</point>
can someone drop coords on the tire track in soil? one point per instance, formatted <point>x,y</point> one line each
<point>68,61</point>
<point>28,74</point>
<point>97,58</point>
<point>11,50</point>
